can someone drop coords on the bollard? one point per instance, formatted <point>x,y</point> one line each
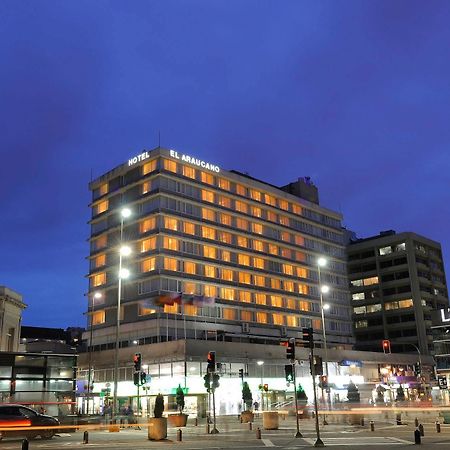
<point>399,419</point>
<point>179,435</point>
<point>421,430</point>
<point>196,422</point>
<point>207,427</point>
<point>250,426</point>
<point>438,426</point>
<point>417,439</point>
<point>372,425</point>
<point>416,422</point>
<point>258,433</point>
<point>86,437</point>
<point>362,421</point>
<point>25,444</point>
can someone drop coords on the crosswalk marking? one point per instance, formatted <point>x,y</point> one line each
<point>268,443</point>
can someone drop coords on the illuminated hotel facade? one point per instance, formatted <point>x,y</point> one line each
<point>217,258</point>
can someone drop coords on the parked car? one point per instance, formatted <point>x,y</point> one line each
<point>22,419</point>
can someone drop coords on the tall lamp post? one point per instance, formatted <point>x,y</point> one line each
<point>122,274</point>
<point>261,364</point>
<point>322,262</point>
<point>97,295</point>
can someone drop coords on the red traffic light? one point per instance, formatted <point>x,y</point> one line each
<point>266,387</point>
<point>386,344</point>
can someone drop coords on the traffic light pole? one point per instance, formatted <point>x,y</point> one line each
<point>298,434</point>
<point>319,442</point>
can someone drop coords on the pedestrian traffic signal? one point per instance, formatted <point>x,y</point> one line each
<point>323,382</point>
<point>211,362</point>
<point>290,349</point>
<point>215,381</point>
<point>137,360</point>
<point>417,369</point>
<point>143,378</point>
<point>386,344</point>
<point>241,374</point>
<point>308,337</point>
<point>266,387</point>
<point>289,372</point>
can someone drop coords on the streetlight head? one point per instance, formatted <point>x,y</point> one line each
<point>125,250</point>
<point>326,306</point>
<point>98,295</point>
<point>126,212</point>
<point>260,363</point>
<point>322,262</point>
<point>325,289</point>
<point>124,273</point>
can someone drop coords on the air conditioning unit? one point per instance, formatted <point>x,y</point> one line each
<point>283,331</point>
<point>246,327</point>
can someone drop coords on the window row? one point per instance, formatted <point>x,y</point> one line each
<point>364,282</point>
<point>400,304</point>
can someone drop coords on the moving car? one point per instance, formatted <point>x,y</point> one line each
<point>20,421</point>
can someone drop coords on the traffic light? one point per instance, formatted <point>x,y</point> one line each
<point>241,374</point>
<point>290,349</point>
<point>289,372</point>
<point>211,362</point>
<point>308,337</point>
<point>137,360</point>
<point>317,365</point>
<point>417,369</point>
<point>323,382</point>
<point>215,381</point>
<point>386,344</point>
<point>136,378</point>
<point>266,387</point>
<point>143,378</point>
<point>207,379</point>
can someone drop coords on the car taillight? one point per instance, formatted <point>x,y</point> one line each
<point>15,423</point>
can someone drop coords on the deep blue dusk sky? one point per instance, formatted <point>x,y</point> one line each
<point>355,94</point>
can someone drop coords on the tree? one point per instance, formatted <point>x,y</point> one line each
<point>159,406</point>
<point>353,395</point>
<point>247,396</point>
<point>400,394</point>
<point>301,395</point>
<point>180,398</point>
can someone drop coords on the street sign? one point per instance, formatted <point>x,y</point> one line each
<point>442,381</point>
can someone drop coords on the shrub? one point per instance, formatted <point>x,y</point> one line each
<point>247,395</point>
<point>180,399</point>
<point>159,406</point>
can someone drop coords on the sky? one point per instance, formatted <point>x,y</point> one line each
<point>353,93</point>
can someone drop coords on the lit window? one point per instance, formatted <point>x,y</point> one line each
<point>208,233</point>
<point>373,308</point>
<point>370,281</point>
<point>190,310</point>
<point>98,317</point>
<point>210,271</point>
<point>260,299</point>
<point>270,200</point>
<point>303,289</point>
<point>360,310</point>
<point>241,190</point>
<point>170,224</point>
<point>227,274</point>
<point>276,300</point>
<point>208,214</point>
<point>148,244</point>
<point>170,264</point>
<point>100,242</point>
<point>147,225</point>
<point>286,253</point>
<point>207,178</point>
<point>246,316</point>
<point>303,306</point>
<point>145,310</point>
<point>224,237</point>
<point>99,260</point>
<point>229,314</point>
<point>227,294</point>
<point>291,303</point>
<point>261,317</point>
<point>190,288</point>
<point>189,228</point>
<point>226,256</point>
<point>285,236</point>
<point>385,250</point>
<point>291,321</point>
<point>207,196</point>
<point>190,267</point>
<point>258,245</point>
<point>101,207</point>
<point>273,249</point>
<point>288,286</point>
<point>356,282</point>
<point>296,209</point>
<point>288,269</point>
<point>278,319</point>
<point>171,166</point>
<point>242,223</point>
<point>299,240</point>
<point>146,187</point>
<point>149,167</point>
<point>316,324</point>
<point>361,324</point>
<point>224,184</point>
<point>284,220</point>
<point>259,280</point>
<point>405,303</point>
<point>245,296</point>
<point>102,189</point>
<point>358,296</point>
<point>241,206</point>
<point>256,211</point>
<point>224,201</point>
<point>170,243</point>
<point>210,291</point>
<point>283,204</point>
<point>257,228</point>
<point>244,259</point>
<point>255,195</point>
<point>209,252</point>
<point>189,172</point>
<point>301,272</point>
<point>300,256</point>
<point>244,277</point>
<point>98,279</point>
<point>225,219</point>
<point>148,264</point>
<point>171,309</point>
<point>258,263</point>
<point>242,241</point>
<point>400,247</point>
<point>275,283</point>
<point>271,216</point>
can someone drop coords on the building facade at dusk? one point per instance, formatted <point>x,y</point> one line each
<point>396,281</point>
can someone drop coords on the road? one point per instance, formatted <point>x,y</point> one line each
<point>234,435</point>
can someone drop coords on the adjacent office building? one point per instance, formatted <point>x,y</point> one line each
<point>11,307</point>
<point>396,281</point>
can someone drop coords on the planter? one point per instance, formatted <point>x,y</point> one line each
<point>157,428</point>
<point>270,420</point>
<point>246,416</point>
<point>177,420</point>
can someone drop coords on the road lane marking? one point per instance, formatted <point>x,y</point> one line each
<point>268,443</point>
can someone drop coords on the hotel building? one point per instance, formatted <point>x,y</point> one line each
<point>216,257</point>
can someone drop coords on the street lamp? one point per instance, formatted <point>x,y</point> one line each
<point>261,364</point>
<point>97,295</point>
<point>123,273</point>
